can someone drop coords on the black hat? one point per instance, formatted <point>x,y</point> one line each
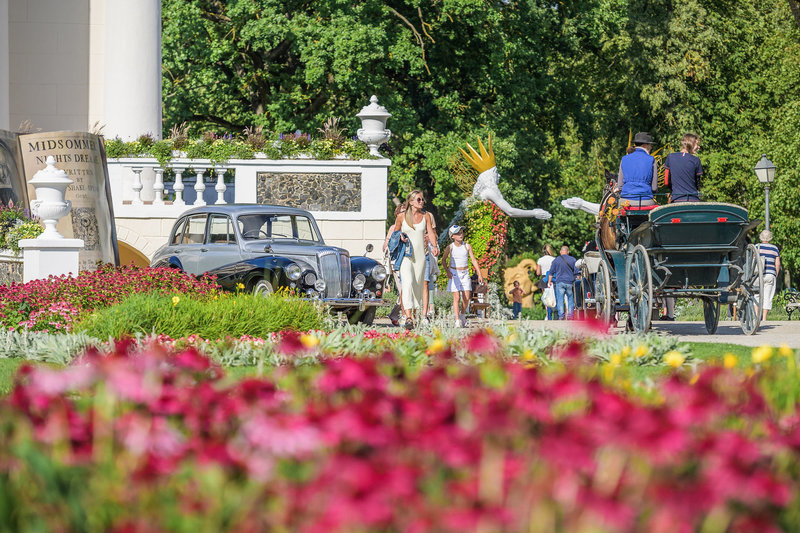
<point>642,138</point>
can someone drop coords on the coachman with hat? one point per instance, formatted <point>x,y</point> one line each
<point>638,173</point>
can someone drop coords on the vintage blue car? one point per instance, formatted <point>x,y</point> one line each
<point>266,248</point>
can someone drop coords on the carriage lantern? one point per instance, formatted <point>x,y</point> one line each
<point>765,172</point>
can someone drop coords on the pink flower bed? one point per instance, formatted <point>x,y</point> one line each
<point>54,304</point>
<point>365,444</point>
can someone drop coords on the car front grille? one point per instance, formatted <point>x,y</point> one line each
<point>335,270</point>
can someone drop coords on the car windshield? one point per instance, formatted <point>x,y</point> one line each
<point>272,226</point>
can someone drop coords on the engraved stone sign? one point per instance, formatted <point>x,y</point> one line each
<point>82,157</point>
<point>312,191</point>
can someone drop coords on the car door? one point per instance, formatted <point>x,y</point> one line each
<point>220,246</point>
<point>192,242</point>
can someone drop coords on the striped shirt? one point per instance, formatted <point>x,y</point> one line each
<point>768,253</point>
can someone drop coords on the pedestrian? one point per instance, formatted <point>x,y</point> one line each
<point>562,274</point>
<point>397,310</point>
<point>456,259</point>
<point>415,227</point>
<point>638,172</point>
<point>771,259</point>
<point>431,274</point>
<point>516,297</point>
<point>682,171</point>
<point>543,271</point>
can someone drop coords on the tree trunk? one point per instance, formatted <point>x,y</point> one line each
<point>795,7</point>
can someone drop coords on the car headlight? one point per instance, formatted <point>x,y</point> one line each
<point>293,272</point>
<point>359,281</point>
<point>379,273</point>
<point>319,285</point>
<point>309,279</point>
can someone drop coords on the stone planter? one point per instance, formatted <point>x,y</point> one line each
<point>10,267</point>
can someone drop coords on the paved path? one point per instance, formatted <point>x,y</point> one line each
<point>773,333</point>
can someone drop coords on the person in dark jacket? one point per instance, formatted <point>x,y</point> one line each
<point>562,274</point>
<point>682,171</point>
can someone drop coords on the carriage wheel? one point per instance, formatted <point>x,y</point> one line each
<point>640,288</point>
<point>604,301</point>
<point>711,314</point>
<point>747,303</point>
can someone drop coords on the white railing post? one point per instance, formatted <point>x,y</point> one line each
<point>220,187</point>
<point>199,187</point>
<point>178,186</point>
<point>137,186</point>
<point>158,186</point>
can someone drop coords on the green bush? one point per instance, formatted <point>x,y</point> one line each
<point>24,230</point>
<point>180,316</point>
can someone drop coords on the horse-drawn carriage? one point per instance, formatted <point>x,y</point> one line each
<point>681,250</point>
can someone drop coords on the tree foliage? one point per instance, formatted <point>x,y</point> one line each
<point>559,84</point>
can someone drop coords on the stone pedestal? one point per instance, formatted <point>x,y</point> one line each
<point>46,257</point>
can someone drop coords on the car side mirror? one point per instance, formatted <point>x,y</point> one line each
<point>370,247</point>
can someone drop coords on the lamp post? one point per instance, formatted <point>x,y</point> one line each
<point>765,172</point>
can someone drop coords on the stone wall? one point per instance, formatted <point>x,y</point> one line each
<point>312,191</point>
<point>10,269</point>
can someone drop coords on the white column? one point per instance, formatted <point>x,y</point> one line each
<point>132,80</point>
<point>5,80</point>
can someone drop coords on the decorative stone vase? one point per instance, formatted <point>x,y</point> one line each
<point>373,132</point>
<point>51,186</point>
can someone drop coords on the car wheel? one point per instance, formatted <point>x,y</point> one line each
<point>263,288</point>
<point>366,317</point>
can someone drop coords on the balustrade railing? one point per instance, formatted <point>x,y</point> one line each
<point>157,191</point>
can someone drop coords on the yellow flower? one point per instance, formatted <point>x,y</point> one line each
<point>436,346</point>
<point>626,351</point>
<point>694,379</point>
<point>785,351</point>
<point>761,354</point>
<point>616,359</point>
<point>674,358</point>
<point>729,360</point>
<point>528,355</point>
<point>641,351</point>
<point>240,286</point>
<point>309,341</point>
<point>175,301</point>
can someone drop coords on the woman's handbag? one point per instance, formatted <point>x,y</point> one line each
<point>542,283</point>
<point>549,297</point>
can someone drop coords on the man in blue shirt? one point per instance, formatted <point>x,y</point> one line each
<point>562,273</point>
<point>683,170</point>
<point>638,172</point>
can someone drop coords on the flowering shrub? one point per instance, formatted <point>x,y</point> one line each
<point>150,440</point>
<point>16,224</point>
<point>486,231</point>
<point>219,148</point>
<point>54,304</point>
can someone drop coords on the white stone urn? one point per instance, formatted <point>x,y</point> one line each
<point>373,130</point>
<point>51,186</point>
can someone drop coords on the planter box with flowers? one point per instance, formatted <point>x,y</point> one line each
<point>333,176</point>
<point>15,224</point>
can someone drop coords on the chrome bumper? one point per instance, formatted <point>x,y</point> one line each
<point>360,303</point>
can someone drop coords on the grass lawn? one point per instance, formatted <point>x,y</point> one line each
<point>8,367</point>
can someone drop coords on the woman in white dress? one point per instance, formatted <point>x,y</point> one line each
<point>417,226</point>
